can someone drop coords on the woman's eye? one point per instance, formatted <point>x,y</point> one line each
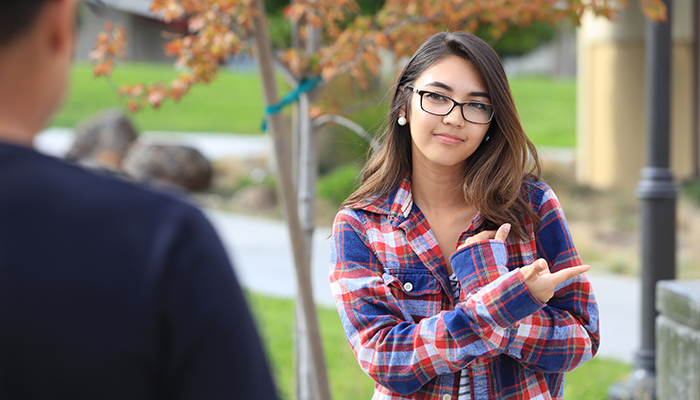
<point>477,106</point>
<point>437,98</point>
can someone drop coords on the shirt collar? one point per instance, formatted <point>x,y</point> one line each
<point>397,204</point>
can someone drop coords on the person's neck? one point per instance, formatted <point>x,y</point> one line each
<point>16,133</point>
<point>21,107</point>
<point>18,119</point>
<point>437,189</point>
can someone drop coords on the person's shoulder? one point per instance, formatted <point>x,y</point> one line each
<point>536,191</point>
<point>60,182</point>
<point>350,216</point>
<point>360,220</point>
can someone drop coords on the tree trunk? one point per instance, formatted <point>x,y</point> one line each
<point>300,243</point>
<point>307,196</point>
<point>306,184</point>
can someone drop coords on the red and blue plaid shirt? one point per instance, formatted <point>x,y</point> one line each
<point>393,294</point>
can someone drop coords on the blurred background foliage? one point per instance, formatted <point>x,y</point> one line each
<point>691,190</point>
<point>515,42</point>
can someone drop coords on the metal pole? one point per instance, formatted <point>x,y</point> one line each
<point>696,89</point>
<point>657,193</point>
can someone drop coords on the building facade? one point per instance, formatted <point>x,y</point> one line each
<point>611,97</point>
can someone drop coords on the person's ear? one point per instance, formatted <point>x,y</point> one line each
<point>59,19</point>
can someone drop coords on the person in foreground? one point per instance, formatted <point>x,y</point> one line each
<point>107,290</point>
<point>452,266</point>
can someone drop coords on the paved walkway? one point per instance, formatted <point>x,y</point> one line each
<point>262,255</point>
<point>57,141</point>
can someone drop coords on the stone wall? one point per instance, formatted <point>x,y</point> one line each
<point>678,340</point>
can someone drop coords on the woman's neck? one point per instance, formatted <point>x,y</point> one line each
<point>438,190</point>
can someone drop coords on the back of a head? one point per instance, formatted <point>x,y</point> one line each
<point>17,17</point>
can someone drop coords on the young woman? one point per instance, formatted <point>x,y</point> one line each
<point>452,265</point>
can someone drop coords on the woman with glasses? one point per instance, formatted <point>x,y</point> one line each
<point>452,266</point>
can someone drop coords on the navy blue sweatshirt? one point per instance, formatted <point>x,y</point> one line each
<point>112,291</point>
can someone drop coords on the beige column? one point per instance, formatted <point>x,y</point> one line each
<point>610,115</point>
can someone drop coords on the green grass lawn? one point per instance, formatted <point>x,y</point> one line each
<point>233,103</point>
<point>547,109</point>
<point>348,382</point>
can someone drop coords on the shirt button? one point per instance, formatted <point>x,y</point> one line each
<point>446,397</point>
<point>408,286</point>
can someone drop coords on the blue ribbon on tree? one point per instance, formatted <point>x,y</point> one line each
<point>304,86</point>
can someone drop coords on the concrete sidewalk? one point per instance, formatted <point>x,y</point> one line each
<point>261,250</point>
<point>57,141</point>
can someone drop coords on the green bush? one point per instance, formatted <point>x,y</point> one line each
<point>280,30</point>
<point>519,40</point>
<point>691,190</point>
<point>339,184</point>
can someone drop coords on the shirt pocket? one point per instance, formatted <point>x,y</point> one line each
<point>418,292</point>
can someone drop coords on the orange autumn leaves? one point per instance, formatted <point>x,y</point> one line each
<point>349,41</point>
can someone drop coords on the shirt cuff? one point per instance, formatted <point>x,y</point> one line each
<point>479,264</point>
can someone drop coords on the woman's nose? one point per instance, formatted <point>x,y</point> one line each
<point>455,117</point>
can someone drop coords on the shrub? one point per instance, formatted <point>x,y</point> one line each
<point>691,190</point>
<point>339,184</point>
<point>519,40</point>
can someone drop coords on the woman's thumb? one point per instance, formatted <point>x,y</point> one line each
<point>502,233</point>
<point>541,266</point>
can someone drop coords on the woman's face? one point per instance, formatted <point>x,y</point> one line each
<point>446,141</point>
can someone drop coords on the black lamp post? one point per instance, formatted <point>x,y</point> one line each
<point>657,194</point>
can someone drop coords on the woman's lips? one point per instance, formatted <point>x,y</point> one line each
<point>448,138</point>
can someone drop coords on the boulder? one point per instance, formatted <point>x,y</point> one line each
<point>103,140</point>
<point>168,164</point>
<point>257,197</point>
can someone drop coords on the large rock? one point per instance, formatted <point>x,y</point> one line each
<point>257,197</point>
<point>103,140</point>
<point>168,164</point>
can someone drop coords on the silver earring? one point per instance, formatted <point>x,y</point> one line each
<point>487,138</point>
<point>402,121</point>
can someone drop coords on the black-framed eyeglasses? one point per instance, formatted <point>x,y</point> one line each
<point>475,112</point>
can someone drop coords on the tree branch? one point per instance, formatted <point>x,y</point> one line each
<point>285,72</point>
<point>355,127</point>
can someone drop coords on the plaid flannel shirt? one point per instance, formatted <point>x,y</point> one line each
<point>392,292</point>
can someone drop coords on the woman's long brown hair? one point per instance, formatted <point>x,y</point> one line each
<point>494,174</point>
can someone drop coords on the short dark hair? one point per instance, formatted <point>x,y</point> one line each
<point>16,17</point>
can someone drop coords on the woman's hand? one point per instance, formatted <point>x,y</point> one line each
<point>537,276</point>
<point>542,282</point>
<point>501,234</point>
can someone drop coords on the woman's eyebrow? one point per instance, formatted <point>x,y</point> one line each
<point>449,89</point>
<point>440,85</point>
<point>480,94</point>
